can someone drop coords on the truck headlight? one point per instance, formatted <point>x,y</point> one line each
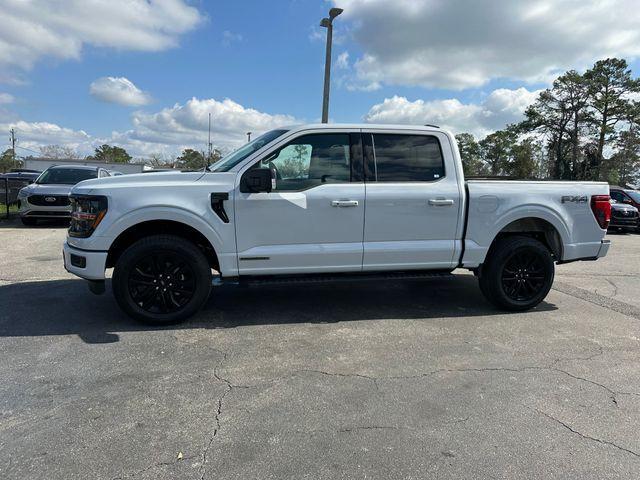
<point>87,211</point>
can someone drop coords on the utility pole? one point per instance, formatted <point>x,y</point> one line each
<point>328,24</point>
<point>209,144</point>
<point>13,146</point>
<point>248,137</point>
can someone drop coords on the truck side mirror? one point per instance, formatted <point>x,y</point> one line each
<point>256,180</point>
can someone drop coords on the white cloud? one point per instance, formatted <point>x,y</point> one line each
<point>229,37</point>
<point>168,131</point>
<point>187,124</point>
<point>32,135</point>
<point>464,44</point>
<point>118,90</point>
<point>36,29</point>
<point>5,98</point>
<point>342,62</point>
<point>498,109</point>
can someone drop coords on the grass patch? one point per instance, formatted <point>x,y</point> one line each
<point>13,208</point>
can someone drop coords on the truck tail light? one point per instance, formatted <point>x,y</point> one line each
<point>601,208</point>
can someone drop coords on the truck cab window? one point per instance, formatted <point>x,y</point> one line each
<point>407,158</point>
<point>309,161</point>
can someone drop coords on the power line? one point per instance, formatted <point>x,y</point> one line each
<point>28,149</point>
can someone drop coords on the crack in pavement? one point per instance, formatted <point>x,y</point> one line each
<point>587,437</point>
<point>229,387</point>
<point>337,374</point>
<point>149,467</point>
<point>611,393</point>
<point>597,299</point>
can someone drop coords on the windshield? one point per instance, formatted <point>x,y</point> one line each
<point>634,195</point>
<point>231,160</point>
<point>65,176</point>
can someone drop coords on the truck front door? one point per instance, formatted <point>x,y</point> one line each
<point>312,221</point>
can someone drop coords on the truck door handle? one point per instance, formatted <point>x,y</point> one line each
<point>344,203</point>
<point>440,202</point>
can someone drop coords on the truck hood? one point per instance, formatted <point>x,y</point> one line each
<point>623,207</point>
<point>46,189</point>
<point>147,180</point>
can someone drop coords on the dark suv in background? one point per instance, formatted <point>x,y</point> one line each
<point>625,195</point>
<point>624,212</point>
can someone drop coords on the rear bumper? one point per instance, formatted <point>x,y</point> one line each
<point>604,248</point>
<point>84,263</point>
<point>599,251</point>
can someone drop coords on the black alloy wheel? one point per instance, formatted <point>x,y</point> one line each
<point>523,276</point>
<point>162,279</point>
<point>517,273</point>
<point>161,283</point>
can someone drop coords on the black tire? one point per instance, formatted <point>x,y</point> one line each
<point>28,222</point>
<point>517,274</point>
<point>162,280</point>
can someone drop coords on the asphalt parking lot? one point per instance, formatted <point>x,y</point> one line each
<point>375,380</point>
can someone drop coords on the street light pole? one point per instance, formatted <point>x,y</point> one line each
<point>328,24</point>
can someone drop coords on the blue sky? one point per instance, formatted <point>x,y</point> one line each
<point>471,66</point>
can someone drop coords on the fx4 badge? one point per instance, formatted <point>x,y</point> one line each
<point>574,199</point>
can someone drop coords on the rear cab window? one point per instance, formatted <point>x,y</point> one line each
<point>397,157</point>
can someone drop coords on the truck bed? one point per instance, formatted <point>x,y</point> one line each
<point>565,205</point>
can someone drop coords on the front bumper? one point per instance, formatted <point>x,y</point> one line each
<point>617,222</point>
<point>84,263</point>
<point>38,211</point>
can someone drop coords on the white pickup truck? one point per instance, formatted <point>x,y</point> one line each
<point>322,203</point>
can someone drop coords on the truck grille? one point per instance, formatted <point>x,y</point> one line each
<point>624,214</point>
<point>49,200</point>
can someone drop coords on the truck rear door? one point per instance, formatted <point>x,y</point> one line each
<point>413,201</point>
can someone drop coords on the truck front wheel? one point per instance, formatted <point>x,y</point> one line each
<point>517,274</point>
<point>161,280</point>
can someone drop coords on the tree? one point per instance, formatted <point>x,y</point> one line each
<point>58,152</point>
<point>552,115</point>
<point>295,166</point>
<point>623,168</point>
<point>470,153</point>
<point>190,160</point>
<point>496,149</point>
<point>523,162</point>
<point>158,160</point>
<point>108,154</point>
<point>6,161</point>
<point>214,156</point>
<point>609,87</point>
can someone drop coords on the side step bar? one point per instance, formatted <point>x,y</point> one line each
<point>332,278</point>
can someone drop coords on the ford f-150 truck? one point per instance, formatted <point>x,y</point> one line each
<point>322,203</point>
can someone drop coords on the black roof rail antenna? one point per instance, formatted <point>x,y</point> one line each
<point>431,125</point>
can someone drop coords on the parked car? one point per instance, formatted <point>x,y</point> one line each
<point>624,217</point>
<point>28,176</point>
<point>48,196</point>
<point>625,195</point>
<point>324,203</point>
<point>115,173</point>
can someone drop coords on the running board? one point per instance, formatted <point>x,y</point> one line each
<point>332,278</point>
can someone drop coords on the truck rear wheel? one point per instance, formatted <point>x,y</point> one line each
<point>161,280</point>
<point>517,274</point>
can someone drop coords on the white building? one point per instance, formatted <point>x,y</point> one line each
<point>44,163</point>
